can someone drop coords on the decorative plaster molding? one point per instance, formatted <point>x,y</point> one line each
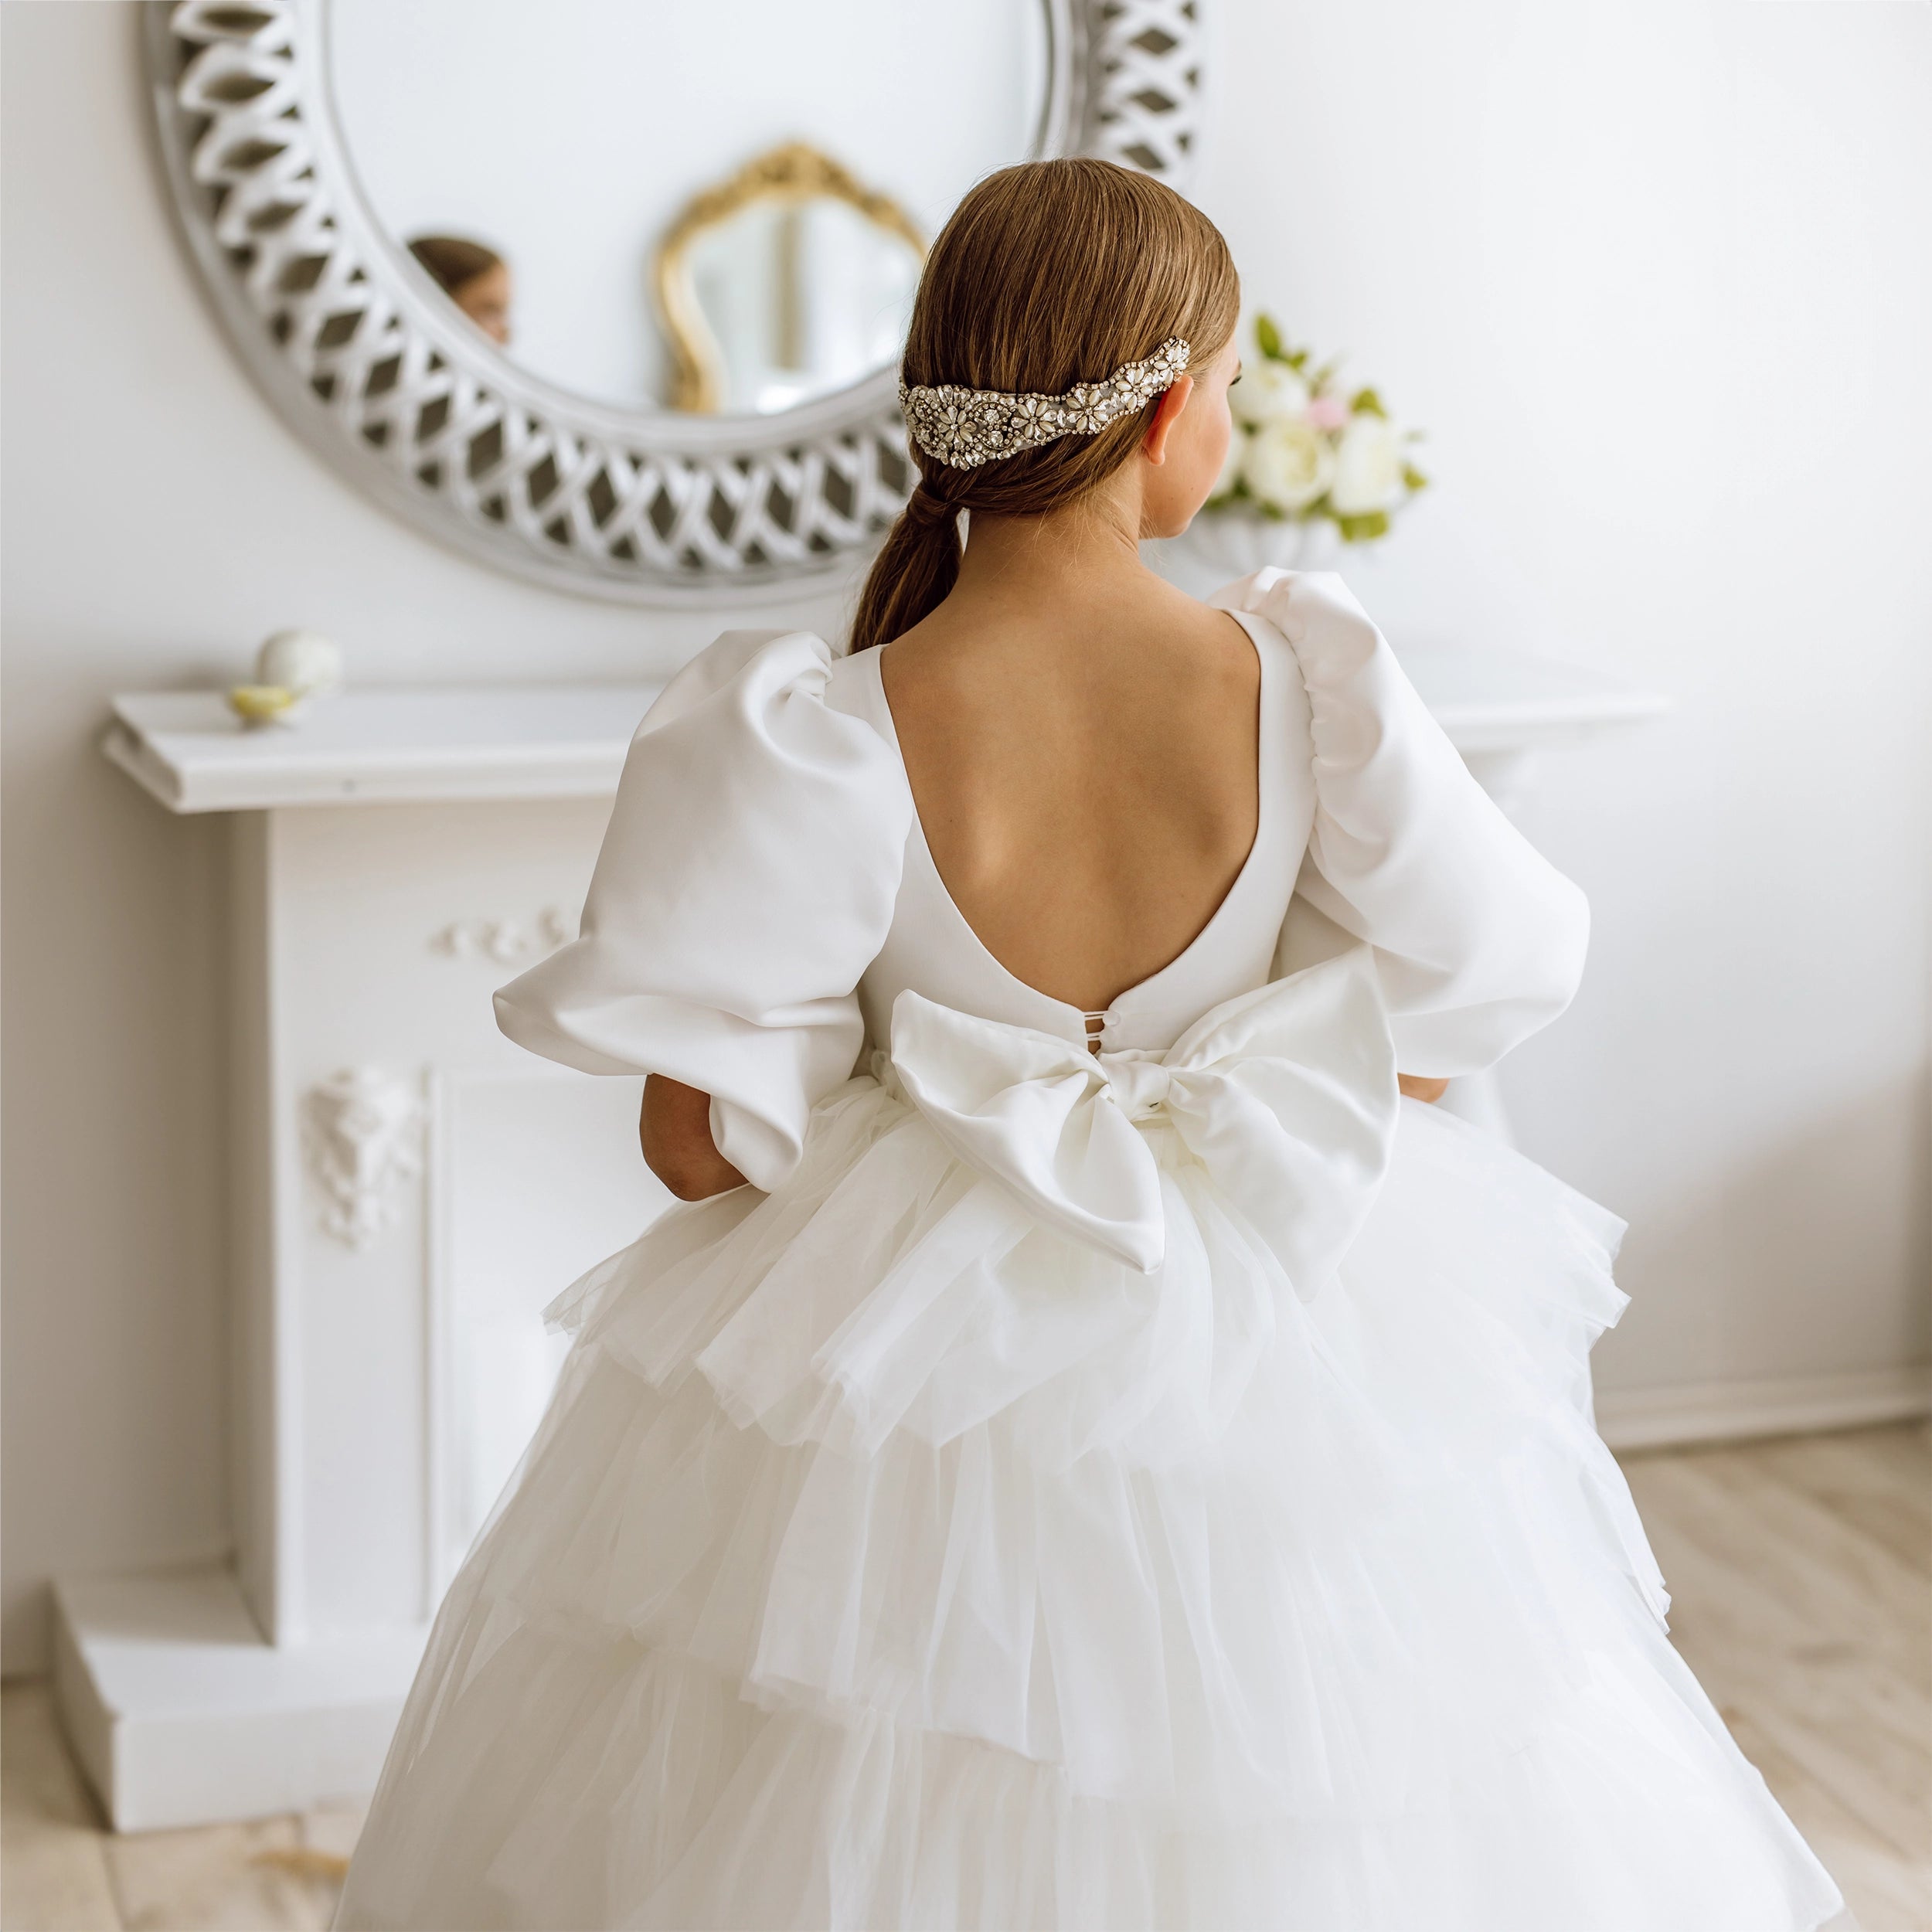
<point>363,1131</point>
<point>506,942</point>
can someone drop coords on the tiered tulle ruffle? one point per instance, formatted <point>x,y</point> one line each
<point>888,1560</point>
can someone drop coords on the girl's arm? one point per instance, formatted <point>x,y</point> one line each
<point>675,1131</point>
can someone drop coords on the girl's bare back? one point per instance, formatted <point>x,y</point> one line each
<point>1085,769</point>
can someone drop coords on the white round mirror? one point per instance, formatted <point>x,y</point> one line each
<point>610,292</point>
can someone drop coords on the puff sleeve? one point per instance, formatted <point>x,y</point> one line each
<point>745,881</point>
<point>1478,939</point>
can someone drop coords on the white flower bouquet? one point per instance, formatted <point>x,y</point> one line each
<point>1304,451</point>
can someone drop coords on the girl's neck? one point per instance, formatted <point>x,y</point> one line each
<point>1090,548</point>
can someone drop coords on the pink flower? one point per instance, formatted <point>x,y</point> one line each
<point>1328,413</point>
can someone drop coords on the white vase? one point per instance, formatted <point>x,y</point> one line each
<point>1220,545</point>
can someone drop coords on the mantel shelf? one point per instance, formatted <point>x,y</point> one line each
<point>1502,701</point>
<point>568,741</point>
<point>380,747</point>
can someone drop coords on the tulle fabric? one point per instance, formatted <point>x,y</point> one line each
<point>886,1559</point>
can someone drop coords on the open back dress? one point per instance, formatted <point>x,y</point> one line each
<point>1114,1470</point>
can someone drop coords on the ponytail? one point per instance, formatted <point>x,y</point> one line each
<point>915,572</point>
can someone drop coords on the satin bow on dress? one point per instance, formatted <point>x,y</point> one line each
<point>1286,1095</point>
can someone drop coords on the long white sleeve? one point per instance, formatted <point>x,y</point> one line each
<point>1478,940</point>
<point>745,881</point>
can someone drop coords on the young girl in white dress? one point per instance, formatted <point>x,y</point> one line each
<point>1098,1450</point>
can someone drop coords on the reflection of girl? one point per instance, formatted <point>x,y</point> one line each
<point>1089,1452</point>
<point>476,278</point>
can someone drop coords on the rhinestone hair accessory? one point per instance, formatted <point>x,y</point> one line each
<point>965,428</point>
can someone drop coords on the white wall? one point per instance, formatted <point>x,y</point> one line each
<point>1654,278</point>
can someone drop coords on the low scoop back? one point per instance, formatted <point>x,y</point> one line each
<point>931,948</point>
<point>765,900</point>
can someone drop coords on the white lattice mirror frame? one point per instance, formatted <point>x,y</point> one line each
<point>355,346</point>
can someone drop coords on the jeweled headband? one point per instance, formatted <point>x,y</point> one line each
<point>965,428</point>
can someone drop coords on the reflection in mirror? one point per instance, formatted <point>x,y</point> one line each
<point>475,277</point>
<point>787,281</point>
<point>573,141</point>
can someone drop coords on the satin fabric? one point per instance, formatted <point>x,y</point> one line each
<point>1479,942</point>
<point>720,943</point>
<point>1286,1096</point>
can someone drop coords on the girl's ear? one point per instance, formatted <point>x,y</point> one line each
<point>1166,414</point>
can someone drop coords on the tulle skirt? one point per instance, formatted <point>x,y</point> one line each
<point>886,1560</point>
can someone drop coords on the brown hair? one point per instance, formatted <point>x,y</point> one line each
<point>454,261</point>
<point>1049,274</point>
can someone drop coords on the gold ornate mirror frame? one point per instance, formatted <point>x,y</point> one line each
<point>790,176</point>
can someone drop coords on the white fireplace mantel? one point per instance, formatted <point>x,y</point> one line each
<point>398,747</point>
<point>407,1188</point>
<point>380,747</point>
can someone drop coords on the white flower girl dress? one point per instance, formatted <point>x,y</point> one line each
<point>1148,1489</point>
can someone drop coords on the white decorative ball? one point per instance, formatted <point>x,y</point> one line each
<point>304,661</point>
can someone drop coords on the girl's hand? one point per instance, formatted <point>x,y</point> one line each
<point>1416,1086</point>
<point>675,1131</point>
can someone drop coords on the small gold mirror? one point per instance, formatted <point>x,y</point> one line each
<point>786,282</point>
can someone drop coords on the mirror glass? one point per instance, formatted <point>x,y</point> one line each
<point>709,208</point>
<point>792,293</point>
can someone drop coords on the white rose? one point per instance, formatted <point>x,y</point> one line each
<point>1268,392</point>
<point>1230,466</point>
<point>1368,468</point>
<point>1287,465</point>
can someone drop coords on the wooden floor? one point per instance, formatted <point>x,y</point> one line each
<point>1802,1572</point>
<point>1801,1578</point>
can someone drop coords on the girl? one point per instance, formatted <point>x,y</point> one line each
<point>1090,1454</point>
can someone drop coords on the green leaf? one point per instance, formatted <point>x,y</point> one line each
<point>1267,338</point>
<point>1365,528</point>
<point>1318,382</point>
<point>1365,402</point>
<point>1297,359</point>
<point>1413,478</point>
